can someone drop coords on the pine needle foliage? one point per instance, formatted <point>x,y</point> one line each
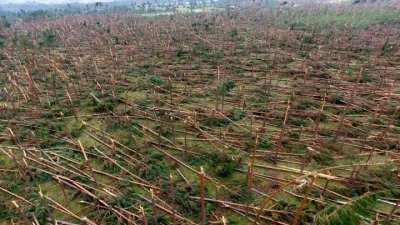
<point>48,39</point>
<point>237,114</point>
<point>156,168</point>
<point>351,213</point>
<point>225,86</point>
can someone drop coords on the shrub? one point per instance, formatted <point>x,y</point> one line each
<point>355,123</point>
<point>76,133</point>
<point>43,177</point>
<point>380,121</point>
<point>225,169</point>
<point>294,135</point>
<point>110,167</point>
<point>223,164</point>
<point>216,122</point>
<point>181,52</point>
<point>299,122</point>
<point>264,143</point>
<point>48,143</point>
<point>336,99</point>
<point>237,114</point>
<point>156,168</point>
<point>286,143</point>
<point>301,148</point>
<point>189,206</point>
<point>225,86</point>
<point>239,195</point>
<point>387,48</point>
<point>48,39</point>
<point>155,81</point>
<point>324,158</point>
<point>104,107</point>
<point>308,39</point>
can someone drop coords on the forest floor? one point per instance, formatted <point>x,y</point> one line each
<point>289,114</point>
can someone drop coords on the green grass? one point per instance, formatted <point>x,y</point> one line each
<point>351,17</point>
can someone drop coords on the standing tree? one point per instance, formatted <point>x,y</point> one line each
<point>223,88</point>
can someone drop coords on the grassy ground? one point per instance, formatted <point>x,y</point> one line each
<point>272,81</point>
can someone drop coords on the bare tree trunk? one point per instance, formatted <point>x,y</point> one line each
<point>203,209</point>
<point>250,183</point>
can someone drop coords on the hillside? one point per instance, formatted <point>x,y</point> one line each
<point>251,113</point>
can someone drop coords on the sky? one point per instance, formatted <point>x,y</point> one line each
<point>51,1</point>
